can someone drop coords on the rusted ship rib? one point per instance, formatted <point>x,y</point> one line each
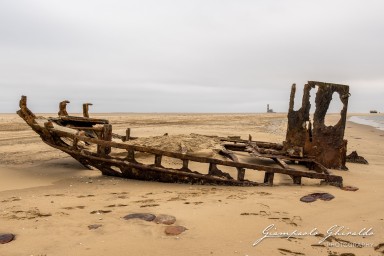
<point>316,146</point>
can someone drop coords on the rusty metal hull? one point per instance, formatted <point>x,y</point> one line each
<point>91,145</point>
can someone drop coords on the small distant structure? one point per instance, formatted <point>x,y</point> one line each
<point>269,110</point>
<point>373,111</point>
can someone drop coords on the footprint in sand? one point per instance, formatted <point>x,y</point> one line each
<point>149,205</point>
<point>289,252</point>
<point>119,193</point>
<point>236,197</point>
<point>248,213</point>
<point>54,195</point>
<point>177,198</point>
<point>379,248</point>
<point>100,211</point>
<point>32,213</point>
<point>61,213</point>
<point>94,226</point>
<point>116,205</point>
<point>260,213</point>
<point>192,194</point>
<point>11,199</point>
<point>82,196</point>
<point>284,217</point>
<point>261,193</point>
<point>73,207</point>
<point>279,216</point>
<point>343,254</point>
<point>183,196</point>
<point>210,190</point>
<point>265,206</point>
<point>195,203</point>
<point>145,201</point>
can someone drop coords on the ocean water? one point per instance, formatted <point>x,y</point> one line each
<point>376,121</point>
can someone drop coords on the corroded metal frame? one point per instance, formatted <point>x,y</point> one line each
<point>300,147</point>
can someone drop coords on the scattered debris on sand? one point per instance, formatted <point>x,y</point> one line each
<point>165,219</point>
<point>349,188</point>
<point>174,230</point>
<point>313,197</point>
<point>6,238</point>
<point>159,219</point>
<point>142,216</point>
<point>355,158</point>
<point>94,226</point>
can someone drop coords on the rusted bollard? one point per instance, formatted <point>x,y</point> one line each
<point>86,109</point>
<point>63,108</point>
<point>127,134</point>
<point>106,135</point>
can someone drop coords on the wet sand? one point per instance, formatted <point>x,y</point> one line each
<point>48,200</point>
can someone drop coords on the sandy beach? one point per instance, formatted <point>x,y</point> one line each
<point>48,200</point>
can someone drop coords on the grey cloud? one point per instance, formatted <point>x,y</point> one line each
<point>194,56</point>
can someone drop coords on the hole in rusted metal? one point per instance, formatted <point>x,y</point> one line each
<point>312,97</point>
<point>116,169</point>
<point>297,99</point>
<point>333,115</point>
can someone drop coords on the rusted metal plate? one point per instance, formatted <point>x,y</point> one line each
<point>313,138</point>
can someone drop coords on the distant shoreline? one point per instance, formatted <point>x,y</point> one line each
<point>375,121</point>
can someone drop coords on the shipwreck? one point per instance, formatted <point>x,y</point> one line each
<point>312,144</point>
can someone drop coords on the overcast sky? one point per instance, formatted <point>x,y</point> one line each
<point>187,56</point>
